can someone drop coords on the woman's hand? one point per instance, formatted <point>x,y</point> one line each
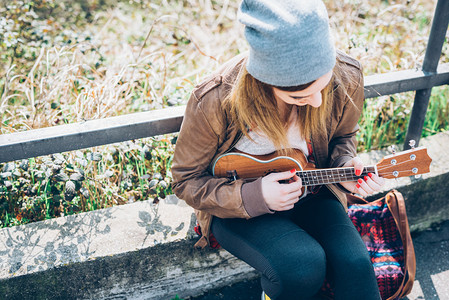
<point>280,196</point>
<point>366,186</point>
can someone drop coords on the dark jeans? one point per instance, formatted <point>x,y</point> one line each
<point>295,250</point>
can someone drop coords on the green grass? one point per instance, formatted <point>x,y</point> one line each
<point>385,119</point>
<point>70,183</point>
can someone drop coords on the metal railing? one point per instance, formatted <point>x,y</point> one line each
<point>92,133</point>
<point>430,64</point>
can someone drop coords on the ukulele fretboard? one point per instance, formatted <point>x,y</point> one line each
<point>327,176</point>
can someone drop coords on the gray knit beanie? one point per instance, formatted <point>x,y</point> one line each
<point>290,41</point>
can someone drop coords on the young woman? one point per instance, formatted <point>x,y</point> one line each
<point>292,91</point>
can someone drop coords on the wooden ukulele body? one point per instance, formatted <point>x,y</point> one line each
<point>254,166</point>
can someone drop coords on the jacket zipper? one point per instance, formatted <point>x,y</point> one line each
<point>236,140</point>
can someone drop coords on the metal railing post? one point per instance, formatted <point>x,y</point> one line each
<point>430,64</point>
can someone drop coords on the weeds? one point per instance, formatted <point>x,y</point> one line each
<point>385,119</point>
<point>65,184</point>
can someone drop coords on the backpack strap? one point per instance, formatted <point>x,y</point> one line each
<point>396,204</point>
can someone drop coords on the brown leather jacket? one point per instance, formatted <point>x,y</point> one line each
<point>207,132</point>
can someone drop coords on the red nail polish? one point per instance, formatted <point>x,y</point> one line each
<point>357,185</point>
<point>358,172</point>
<point>370,174</point>
<point>360,181</point>
<point>292,171</point>
<point>366,178</point>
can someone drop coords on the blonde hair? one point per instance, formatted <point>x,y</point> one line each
<point>252,104</point>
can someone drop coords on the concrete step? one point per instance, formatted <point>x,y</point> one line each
<point>145,251</point>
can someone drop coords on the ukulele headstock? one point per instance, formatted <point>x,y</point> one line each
<point>411,162</point>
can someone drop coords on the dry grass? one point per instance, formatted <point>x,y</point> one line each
<point>150,55</point>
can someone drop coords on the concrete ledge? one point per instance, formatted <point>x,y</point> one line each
<point>145,251</point>
<point>159,272</point>
<point>136,251</point>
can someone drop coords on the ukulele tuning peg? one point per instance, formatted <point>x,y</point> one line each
<point>392,149</point>
<point>412,144</point>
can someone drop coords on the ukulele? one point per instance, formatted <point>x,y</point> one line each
<point>234,165</point>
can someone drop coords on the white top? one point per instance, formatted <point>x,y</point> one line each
<point>261,144</point>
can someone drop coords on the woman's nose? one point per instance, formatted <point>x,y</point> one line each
<point>316,99</point>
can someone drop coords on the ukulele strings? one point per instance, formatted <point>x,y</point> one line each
<point>380,171</point>
<point>323,174</point>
